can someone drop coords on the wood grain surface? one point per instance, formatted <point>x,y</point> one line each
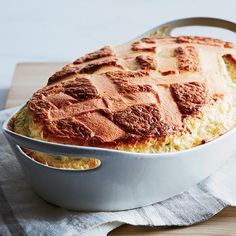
<point>28,77</point>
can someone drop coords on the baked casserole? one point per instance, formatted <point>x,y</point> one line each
<point>155,95</point>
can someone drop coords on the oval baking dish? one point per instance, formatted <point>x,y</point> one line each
<point>123,180</point>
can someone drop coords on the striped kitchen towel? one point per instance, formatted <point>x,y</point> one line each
<point>23,213</point>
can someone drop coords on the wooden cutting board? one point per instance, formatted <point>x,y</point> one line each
<point>29,77</point>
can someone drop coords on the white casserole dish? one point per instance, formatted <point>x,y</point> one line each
<point>124,180</point>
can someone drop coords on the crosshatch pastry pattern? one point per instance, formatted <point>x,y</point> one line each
<point>126,96</point>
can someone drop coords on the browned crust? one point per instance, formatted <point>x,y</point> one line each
<point>146,62</point>
<point>123,83</point>
<point>231,58</point>
<point>168,72</point>
<point>67,128</point>
<point>124,103</point>
<point>190,97</point>
<point>188,60</point>
<point>39,108</point>
<point>127,74</point>
<point>149,40</point>
<point>94,66</point>
<point>124,86</point>
<point>139,46</point>
<point>204,41</point>
<point>142,120</point>
<point>81,89</point>
<point>66,72</point>
<point>103,52</point>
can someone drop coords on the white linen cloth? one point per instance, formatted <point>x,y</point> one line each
<point>23,213</point>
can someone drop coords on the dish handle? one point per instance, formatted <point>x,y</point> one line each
<point>167,28</point>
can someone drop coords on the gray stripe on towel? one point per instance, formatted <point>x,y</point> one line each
<point>8,216</point>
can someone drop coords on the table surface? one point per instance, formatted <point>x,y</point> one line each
<point>30,76</point>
